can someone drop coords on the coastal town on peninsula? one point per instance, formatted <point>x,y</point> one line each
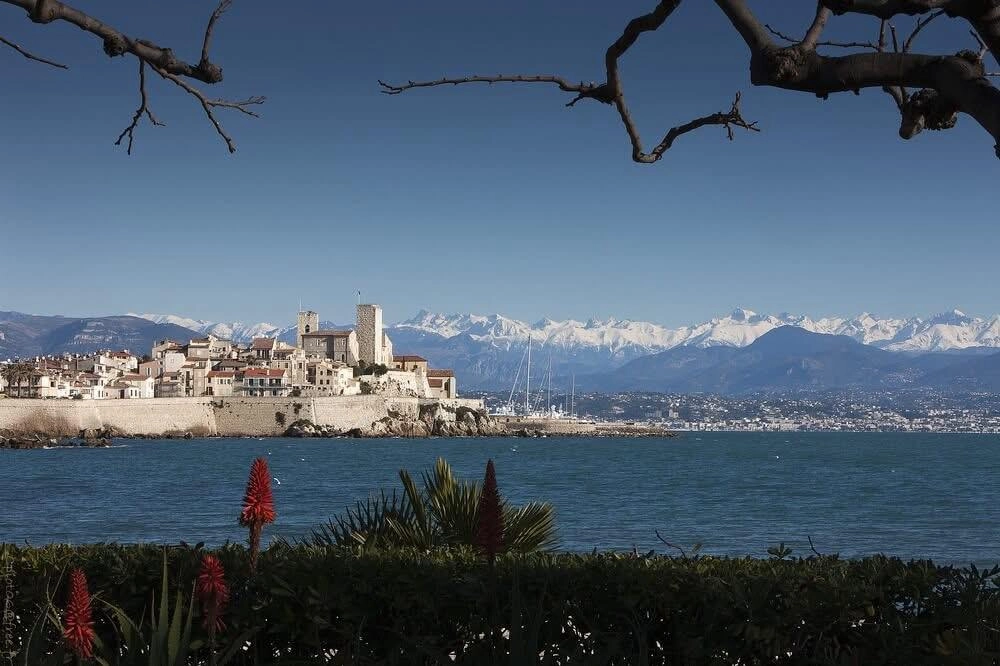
<point>321,363</point>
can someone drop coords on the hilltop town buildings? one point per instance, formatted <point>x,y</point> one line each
<point>321,363</point>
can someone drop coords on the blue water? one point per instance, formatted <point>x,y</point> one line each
<point>911,495</point>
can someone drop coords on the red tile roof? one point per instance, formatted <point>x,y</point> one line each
<point>263,343</point>
<point>435,383</point>
<point>222,373</point>
<point>409,359</point>
<point>263,372</point>
<point>440,373</point>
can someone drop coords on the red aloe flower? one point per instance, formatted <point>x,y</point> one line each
<point>489,517</point>
<point>78,625</point>
<point>213,592</point>
<point>258,506</point>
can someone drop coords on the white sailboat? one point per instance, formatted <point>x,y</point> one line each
<point>531,408</point>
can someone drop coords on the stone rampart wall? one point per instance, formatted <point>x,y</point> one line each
<point>225,416</point>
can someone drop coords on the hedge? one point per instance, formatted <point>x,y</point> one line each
<point>332,605</point>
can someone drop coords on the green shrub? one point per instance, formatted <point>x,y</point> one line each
<point>450,607</point>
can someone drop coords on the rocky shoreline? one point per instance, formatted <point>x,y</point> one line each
<point>434,420</point>
<point>94,439</point>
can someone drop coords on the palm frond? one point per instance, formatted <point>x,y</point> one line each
<point>530,527</point>
<point>453,504</point>
<point>364,524</point>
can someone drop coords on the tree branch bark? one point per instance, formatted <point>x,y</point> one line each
<point>946,85</point>
<point>116,43</point>
<point>983,15</point>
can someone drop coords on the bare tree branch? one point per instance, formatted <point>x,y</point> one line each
<point>957,82</point>
<point>115,42</point>
<point>728,119</point>
<point>921,24</point>
<point>842,45</point>
<point>947,84</point>
<point>31,56</point>
<point>898,93</point>
<point>205,63</point>
<point>816,29</point>
<point>161,59</point>
<point>142,110</point>
<point>611,92</point>
<point>583,90</point>
<point>983,15</point>
<point>209,104</point>
<point>886,9</point>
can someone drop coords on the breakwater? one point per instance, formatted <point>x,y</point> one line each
<point>228,416</point>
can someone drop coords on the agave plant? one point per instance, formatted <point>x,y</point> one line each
<point>441,513</point>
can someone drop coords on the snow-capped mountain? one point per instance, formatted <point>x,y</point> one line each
<point>487,350</point>
<point>944,332</point>
<point>237,331</point>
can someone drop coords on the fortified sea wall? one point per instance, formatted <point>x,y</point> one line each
<point>207,416</point>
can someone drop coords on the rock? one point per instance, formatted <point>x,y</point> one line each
<point>188,435</point>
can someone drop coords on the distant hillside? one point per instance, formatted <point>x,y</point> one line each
<point>31,335</point>
<point>975,374</point>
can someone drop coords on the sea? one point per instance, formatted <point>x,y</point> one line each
<point>911,495</point>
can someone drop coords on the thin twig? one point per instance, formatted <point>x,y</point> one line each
<point>670,545</point>
<point>897,93</point>
<point>728,119</point>
<point>841,45</point>
<point>143,109</point>
<point>921,24</point>
<point>584,90</point>
<point>209,104</point>
<point>31,56</point>
<point>983,49</point>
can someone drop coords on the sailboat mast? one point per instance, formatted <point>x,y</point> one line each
<point>548,392</point>
<point>527,383</point>
<point>572,400</point>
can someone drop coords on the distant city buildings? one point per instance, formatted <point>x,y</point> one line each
<point>321,363</point>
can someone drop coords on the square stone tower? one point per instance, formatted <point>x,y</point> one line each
<point>369,331</point>
<point>308,323</point>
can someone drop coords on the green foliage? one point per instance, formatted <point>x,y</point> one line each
<point>365,524</point>
<point>366,368</point>
<point>126,641</point>
<point>314,605</point>
<point>441,514</point>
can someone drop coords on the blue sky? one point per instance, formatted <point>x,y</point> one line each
<point>482,199</point>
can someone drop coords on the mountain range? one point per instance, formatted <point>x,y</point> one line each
<point>25,336</point>
<point>738,352</point>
